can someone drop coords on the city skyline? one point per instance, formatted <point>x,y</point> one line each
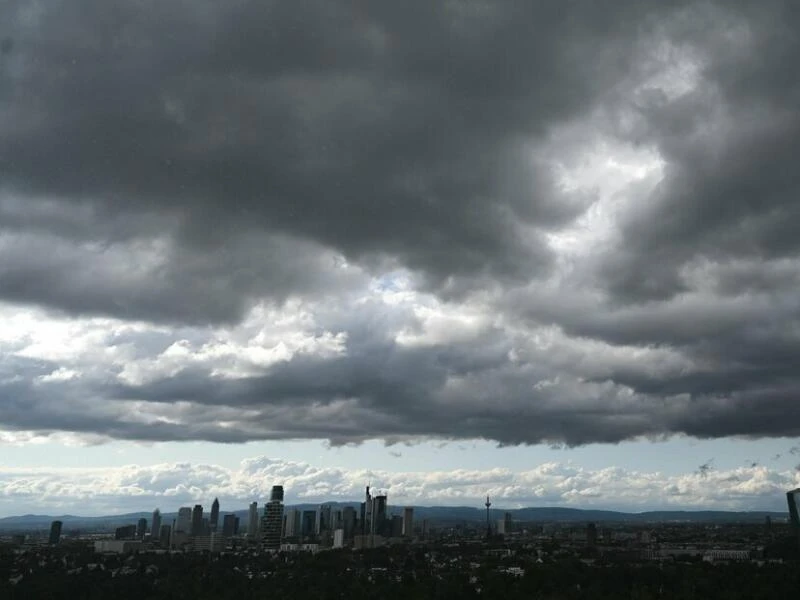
<point>540,251</point>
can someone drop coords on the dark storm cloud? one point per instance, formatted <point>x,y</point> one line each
<point>730,189</point>
<point>374,130</point>
<point>181,162</point>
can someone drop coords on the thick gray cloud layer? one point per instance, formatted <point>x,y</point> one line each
<point>407,187</point>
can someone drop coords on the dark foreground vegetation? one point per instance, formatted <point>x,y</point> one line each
<point>381,573</point>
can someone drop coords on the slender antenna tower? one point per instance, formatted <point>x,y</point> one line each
<point>488,522</point>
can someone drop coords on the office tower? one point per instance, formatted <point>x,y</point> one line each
<point>229,525</point>
<point>378,523</point>
<point>508,522</point>
<point>197,520</point>
<point>55,533</point>
<point>500,527</point>
<point>155,525</point>
<point>141,528</point>
<point>214,519</point>
<point>338,538</point>
<point>504,525</point>
<point>396,526</point>
<point>323,519</point>
<point>236,525</point>
<point>291,526</point>
<point>793,500</point>
<point>205,528</point>
<point>349,522</point>
<point>252,520</point>
<point>366,513</point>
<point>308,523</point>
<point>408,521</point>
<point>273,520</point>
<point>127,532</point>
<point>164,536</point>
<point>276,495</point>
<point>184,521</point>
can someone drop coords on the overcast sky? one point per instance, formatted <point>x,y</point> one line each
<point>542,250</point>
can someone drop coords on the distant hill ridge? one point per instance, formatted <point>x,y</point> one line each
<point>440,514</point>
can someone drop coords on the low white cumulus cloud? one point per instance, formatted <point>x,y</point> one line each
<point>170,485</point>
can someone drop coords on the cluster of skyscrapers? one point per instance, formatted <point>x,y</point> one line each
<point>326,525</point>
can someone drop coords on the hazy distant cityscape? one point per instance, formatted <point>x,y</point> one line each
<point>369,524</point>
<point>271,546</point>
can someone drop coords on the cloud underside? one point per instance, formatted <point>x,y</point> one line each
<point>521,222</point>
<point>170,485</point>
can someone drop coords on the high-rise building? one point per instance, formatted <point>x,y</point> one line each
<point>276,495</point>
<point>252,520</point>
<point>505,525</point>
<point>197,520</point>
<point>793,500</point>
<point>214,518</point>
<point>500,527</point>
<point>338,538</point>
<point>395,526</point>
<point>408,521</point>
<point>366,513</point>
<point>229,525</point>
<point>141,528</point>
<point>508,522</point>
<point>155,525</point>
<point>55,533</point>
<point>236,525</point>
<point>126,532</point>
<point>272,523</point>
<point>291,523</point>
<point>349,522</point>
<point>378,524</point>
<point>323,519</point>
<point>164,536</point>
<point>308,523</point>
<point>184,522</point>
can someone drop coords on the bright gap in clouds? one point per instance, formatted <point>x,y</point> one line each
<point>615,175</point>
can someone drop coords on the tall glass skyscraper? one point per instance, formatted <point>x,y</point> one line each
<point>155,525</point>
<point>184,522</point>
<point>55,532</point>
<point>793,499</point>
<point>252,521</point>
<point>214,519</point>
<point>197,520</point>
<point>273,523</point>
